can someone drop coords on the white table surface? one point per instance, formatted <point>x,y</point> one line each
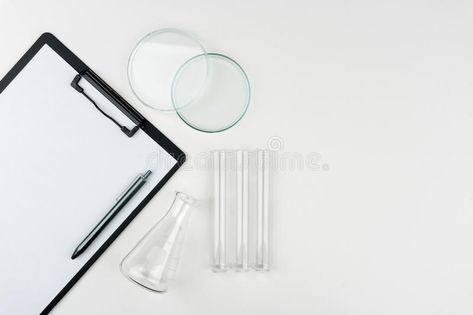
<point>376,97</point>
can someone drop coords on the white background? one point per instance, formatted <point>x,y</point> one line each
<point>381,91</point>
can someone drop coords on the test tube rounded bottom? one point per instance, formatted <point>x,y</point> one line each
<point>220,268</point>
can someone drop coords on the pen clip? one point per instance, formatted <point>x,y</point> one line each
<point>128,187</point>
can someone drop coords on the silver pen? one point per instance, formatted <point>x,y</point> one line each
<point>134,187</point>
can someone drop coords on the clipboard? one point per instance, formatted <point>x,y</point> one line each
<point>69,155</point>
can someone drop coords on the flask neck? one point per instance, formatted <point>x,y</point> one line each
<point>182,203</point>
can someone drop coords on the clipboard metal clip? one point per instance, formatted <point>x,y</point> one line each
<point>124,129</point>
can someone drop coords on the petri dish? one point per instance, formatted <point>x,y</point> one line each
<point>223,101</point>
<point>153,64</point>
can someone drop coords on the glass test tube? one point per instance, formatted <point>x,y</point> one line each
<point>219,213</point>
<point>242,211</point>
<point>262,224</point>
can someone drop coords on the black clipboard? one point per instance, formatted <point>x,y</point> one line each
<point>143,125</point>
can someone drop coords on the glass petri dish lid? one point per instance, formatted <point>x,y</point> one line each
<point>223,101</point>
<point>153,64</point>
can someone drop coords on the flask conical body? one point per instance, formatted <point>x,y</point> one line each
<point>154,260</point>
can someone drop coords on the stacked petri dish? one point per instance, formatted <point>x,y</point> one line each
<point>171,71</point>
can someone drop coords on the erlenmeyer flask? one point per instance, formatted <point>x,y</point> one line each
<point>153,261</point>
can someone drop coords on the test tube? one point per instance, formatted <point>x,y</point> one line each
<point>262,218</point>
<point>242,211</point>
<point>219,241</point>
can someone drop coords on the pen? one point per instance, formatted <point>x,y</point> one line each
<point>134,187</point>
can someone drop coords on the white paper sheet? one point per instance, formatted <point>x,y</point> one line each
<point>62,165</point>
